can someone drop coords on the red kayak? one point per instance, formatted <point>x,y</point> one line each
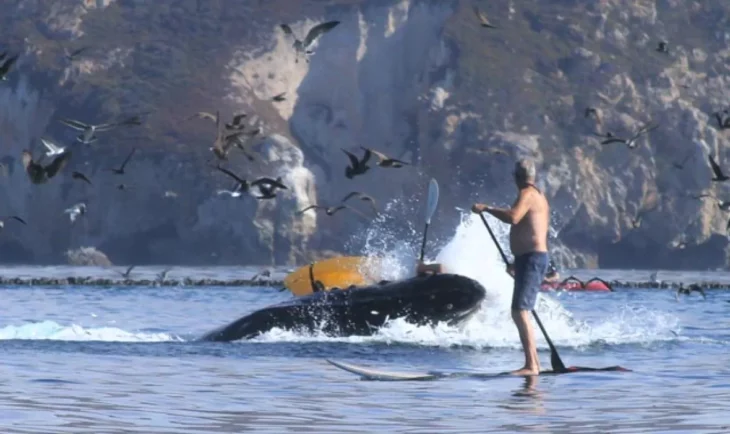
<point>575,284</point>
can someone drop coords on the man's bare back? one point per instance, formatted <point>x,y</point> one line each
<point>530,233</point>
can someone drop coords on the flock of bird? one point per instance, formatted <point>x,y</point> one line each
<point>234,134</point>
<point>237,134</point>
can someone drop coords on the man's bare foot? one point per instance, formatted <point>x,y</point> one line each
<point>525,371</point>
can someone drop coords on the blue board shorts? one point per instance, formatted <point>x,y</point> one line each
<point>530,269</point>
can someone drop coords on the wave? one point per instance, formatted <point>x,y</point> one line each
<point>51,330</point>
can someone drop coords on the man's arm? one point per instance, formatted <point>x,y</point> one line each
<point>512,215</point>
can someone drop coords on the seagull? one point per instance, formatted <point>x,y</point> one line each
<point>237,124</point>
<point>53,149</point>
<point>204,115</point>
<point>120,171</point>
<point>233,193</point>
<point>40,174</point>
<point>717,171</point>
<point>261,275</point>
<point>5,68</point>
<point>268,189</point>
<point>243,185</point>
<point>362,196</point>
<point>631,143</point>
<point>161,276</point>
<point>483,20</point>
<point>75,211</point>
<point>87,136</point>
<point>71,55</point>
<point>16,218</point>
<point>81,176</point>
<point>384,160</point>
<point>280,97</point>
<point>304,47</point>
<point>357,167</point>
<point>663,47</point>
<point>222,143</point>
<point>330,210</point>
<point>126,273</point>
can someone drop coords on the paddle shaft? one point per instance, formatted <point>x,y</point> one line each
<point>557,363</point>
<point>423,243</point>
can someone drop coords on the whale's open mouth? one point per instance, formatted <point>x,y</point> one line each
<point>464,315</point>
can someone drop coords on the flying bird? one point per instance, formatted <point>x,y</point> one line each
<point>305,47</point>
<point>80,176</point>
<point>53,149</point>
<point>663,47</point>
<point>76,211</point>
<point>631,142</point>
<point>330,211</point>
<point>717,171</point>
<point>222,144</point>
<point>88,131</point>
<point>40,174</point>
<point>357,167</point>
<point>5,67</point>
<point>16,218</point>
<point>237,123</point>
<point>280,97</point>
<point>204,115</point>
<point>120,170</point>
<point>126,273</point>
<point>483,20</point>
<point>363,197</point>
<point>384,160</point>
<point>70,56</point>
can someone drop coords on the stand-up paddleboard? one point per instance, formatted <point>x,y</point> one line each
<point>382,375</point>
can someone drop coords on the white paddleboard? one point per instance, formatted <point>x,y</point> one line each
<point>380,375</point>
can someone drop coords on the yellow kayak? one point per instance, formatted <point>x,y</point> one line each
<point>339,272</point>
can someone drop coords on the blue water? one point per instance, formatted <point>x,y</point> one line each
<point>93,360</point>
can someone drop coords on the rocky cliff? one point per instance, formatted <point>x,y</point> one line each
<point>419,80</point>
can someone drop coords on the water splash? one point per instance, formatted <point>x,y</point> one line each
<point>472,253</point>
<point>50,330</point>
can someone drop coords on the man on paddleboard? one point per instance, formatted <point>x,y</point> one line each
<point>529,218</point>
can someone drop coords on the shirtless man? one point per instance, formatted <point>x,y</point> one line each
<point>529,218</point>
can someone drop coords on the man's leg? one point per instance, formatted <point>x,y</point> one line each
<point>527,337</point>
<point>529,272</point>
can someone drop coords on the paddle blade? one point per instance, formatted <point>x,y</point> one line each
<point>340,272</point>
<point>433,200</point>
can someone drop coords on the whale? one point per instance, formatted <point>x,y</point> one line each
<point>420,300</point>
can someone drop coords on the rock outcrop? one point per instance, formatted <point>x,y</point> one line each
<point>419,80</point>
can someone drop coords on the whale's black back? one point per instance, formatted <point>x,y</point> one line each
<point>361,310</point>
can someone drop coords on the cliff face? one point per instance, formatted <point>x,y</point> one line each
<point>418,80</point>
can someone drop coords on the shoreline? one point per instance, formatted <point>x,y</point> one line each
<point>238,276</point>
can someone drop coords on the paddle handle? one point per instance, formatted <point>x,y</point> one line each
<point>496,243</point>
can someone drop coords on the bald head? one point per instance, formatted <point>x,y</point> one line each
<point>525,171</point>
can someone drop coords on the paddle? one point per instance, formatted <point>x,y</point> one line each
<point>555,360</point>
<point>433,200</point>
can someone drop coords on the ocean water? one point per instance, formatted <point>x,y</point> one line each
<point>114,360</point>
